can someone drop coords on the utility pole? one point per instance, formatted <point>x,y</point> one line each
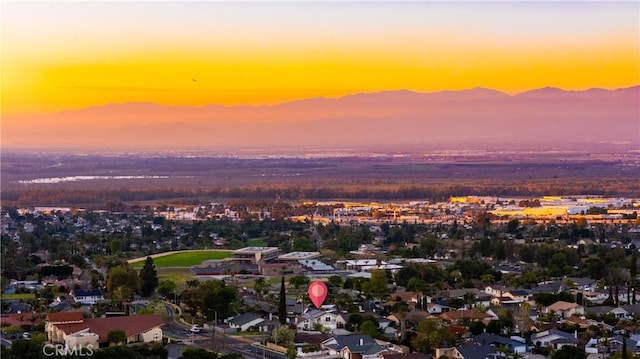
<point>214,346</point>
<point>214,329</point>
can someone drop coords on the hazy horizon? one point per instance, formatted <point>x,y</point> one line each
<point>477,118</point>
<point>180,75</point>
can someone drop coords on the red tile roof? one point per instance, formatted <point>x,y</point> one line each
<point>461,314</point>
<point>64,317</point>
<point>21,319</point>
<point>457,330</point>
<point>131,325</point>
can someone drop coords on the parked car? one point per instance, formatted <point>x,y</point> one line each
<point>196,329</point>
<point>26,335</point>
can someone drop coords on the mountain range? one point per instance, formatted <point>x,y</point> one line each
<point>479,116</point>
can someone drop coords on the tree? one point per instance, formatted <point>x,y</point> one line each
<point>283,336</point>
<point>368,327</point>
<point>12,330</point>
<point>282,309</point>
<point>302,244</point>
<point>117,337</point>
<point>146,310</point>
<point>455,303</point>
<point>348,283</point>
<point>166,287</point>
<point>22,348</point>
<point>261,287</point>
<point>378,284</point>
<point>123,280</point>
<point>512,226</point>
<point>415,284</point>
<point>148,278</point>
<point>211,297</point>
<point>476,327</point>
<point>115,246</point>
<point>430,335</point>
<point>569,352</point>
<point>335,280</point>
<point>487,278</point>
<point>119,351</point>
<point>298,281</point>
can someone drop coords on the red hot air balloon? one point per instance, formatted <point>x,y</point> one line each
<point>318,293</point>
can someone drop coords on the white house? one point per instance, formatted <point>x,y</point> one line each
<point>330,320</point>
<point>433,308</point>
<point>87,297</point>
<point>244,322</point>
<point>553,338</point>
<point>357,346</point>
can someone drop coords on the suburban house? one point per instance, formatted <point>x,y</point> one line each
<point>433,308</point>
<point>553,338</point>
<point>612,344</point>
<point>72,329</point>
<point>586,284</point>
<point>621,313</point>
<point>456,316</point>
<point>411,319</point>
<point>514,344</point>
<point>590,297</point>
<point>615,344</point>
<point>404,356</point>
<point>357,347</point>
<point>328,319</point>
<point>496,290</point>
<point>502,296</point>
<point>564,309</point>
<point>409,297</point>
<point>518,295</point>
<point>87,297</point>
<point>468,351</point>
<point>246,321</point>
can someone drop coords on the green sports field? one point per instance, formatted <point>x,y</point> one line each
<point>184,259</point>
<point>18,296</point>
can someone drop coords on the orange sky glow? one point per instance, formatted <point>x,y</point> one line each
<point>59,56</point>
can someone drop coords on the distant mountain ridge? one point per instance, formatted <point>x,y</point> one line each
<point>542,116</point>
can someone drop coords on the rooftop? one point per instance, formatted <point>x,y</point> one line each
<point>294,256</point>
<point>254,250</point>
<point>131,325</point>
<point>64,317</point>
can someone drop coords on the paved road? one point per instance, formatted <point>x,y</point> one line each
<point>244,346</point>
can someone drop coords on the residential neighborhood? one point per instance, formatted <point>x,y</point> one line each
<point>468,284</point>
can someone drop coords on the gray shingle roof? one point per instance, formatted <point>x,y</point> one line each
<point>243,319</point>
<point>476,351</point>
<point>487,338</point>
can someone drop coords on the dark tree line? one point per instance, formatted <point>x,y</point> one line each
<point>339,189</point>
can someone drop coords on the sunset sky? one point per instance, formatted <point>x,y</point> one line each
<point>69,55</point>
